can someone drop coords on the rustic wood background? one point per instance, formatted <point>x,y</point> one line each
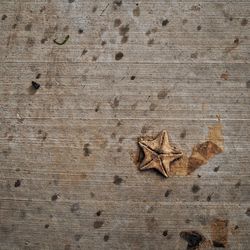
<point>68,180</point>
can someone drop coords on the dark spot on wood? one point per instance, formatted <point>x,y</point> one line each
<point>113,135</point>
<point>237,185</point>
<point>184,21</point>
<point>148,32</point>
<point>152,106</point>
<point>150,209</point>
<point>218,244</point>
<point>248,212</point>
<point>98,224</point>
<point>119,149</point>
<point>236,41</point>
<point>38,76</point>
<point>42,9</point>
<point>193,238</point>
<point>165,22</point>
<point>117,22</point>
<point>54,197</point>
<point>165,233</point>
<point>224,76</point>
<point>97,107</point>
<point>30,41</point>
<point>248,84</point>
<point>236,227</point>
<point>86,149</point>
<point>124,39</point>
<point>196,7</point>
<point>10,137</point>
<point>118,56</point>
<point>115,103</point>
<point>34,87</point>
<point>84,52</point>
<point>183,134</point>
<point>14,26</point>
<point>19,18</point>
<point>209,197</point>
<point>187,221</point>
<point>4,17</point>
<point>27,243</point>
<point>92,194</point>
<point>28,27</point>
<point>17,183</point>
<point>94,58</point>
<point>132,78</point>
<point>94,9</point>
<point>106,237</point>
<point>103,43</point>
<point>98,213</point>
<point>117,3</point>
<point>195,188</point>
<point>216,169</point>
<point>80,31</point>
<point>219,232</point>
<point>244,22</point>
<point>198,27</point>
<point>43,134</point>
<point>43,40</point>
<point>151,41</point>
<point>194,55</point>
<point>46,226</point>
<point>77,237</point>
<point>121,139</point>
<point>75,207</point>
<point>117,180</point>
<point>136,11</point>
<point>71,1</point>
<point>163,94</point>
<point>167,193</point>
<point>145,129</point>
<point>124,29</point>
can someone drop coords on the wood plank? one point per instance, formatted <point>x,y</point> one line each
<point>67,176</point>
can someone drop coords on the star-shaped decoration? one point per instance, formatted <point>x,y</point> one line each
<point>158,153</point>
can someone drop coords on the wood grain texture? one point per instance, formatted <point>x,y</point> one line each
<point>67,178</point>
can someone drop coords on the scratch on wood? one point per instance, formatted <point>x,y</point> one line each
<point>104,9</point>
<point>63,42</point>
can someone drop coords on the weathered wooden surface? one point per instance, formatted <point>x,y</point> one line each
<point>70,143</point>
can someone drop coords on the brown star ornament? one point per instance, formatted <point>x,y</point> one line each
<point>158,153</point>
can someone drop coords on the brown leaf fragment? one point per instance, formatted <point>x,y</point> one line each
<point>201,154</point>
<point>215,135</point>
<point>219,232</point>
<point>179,167</point>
